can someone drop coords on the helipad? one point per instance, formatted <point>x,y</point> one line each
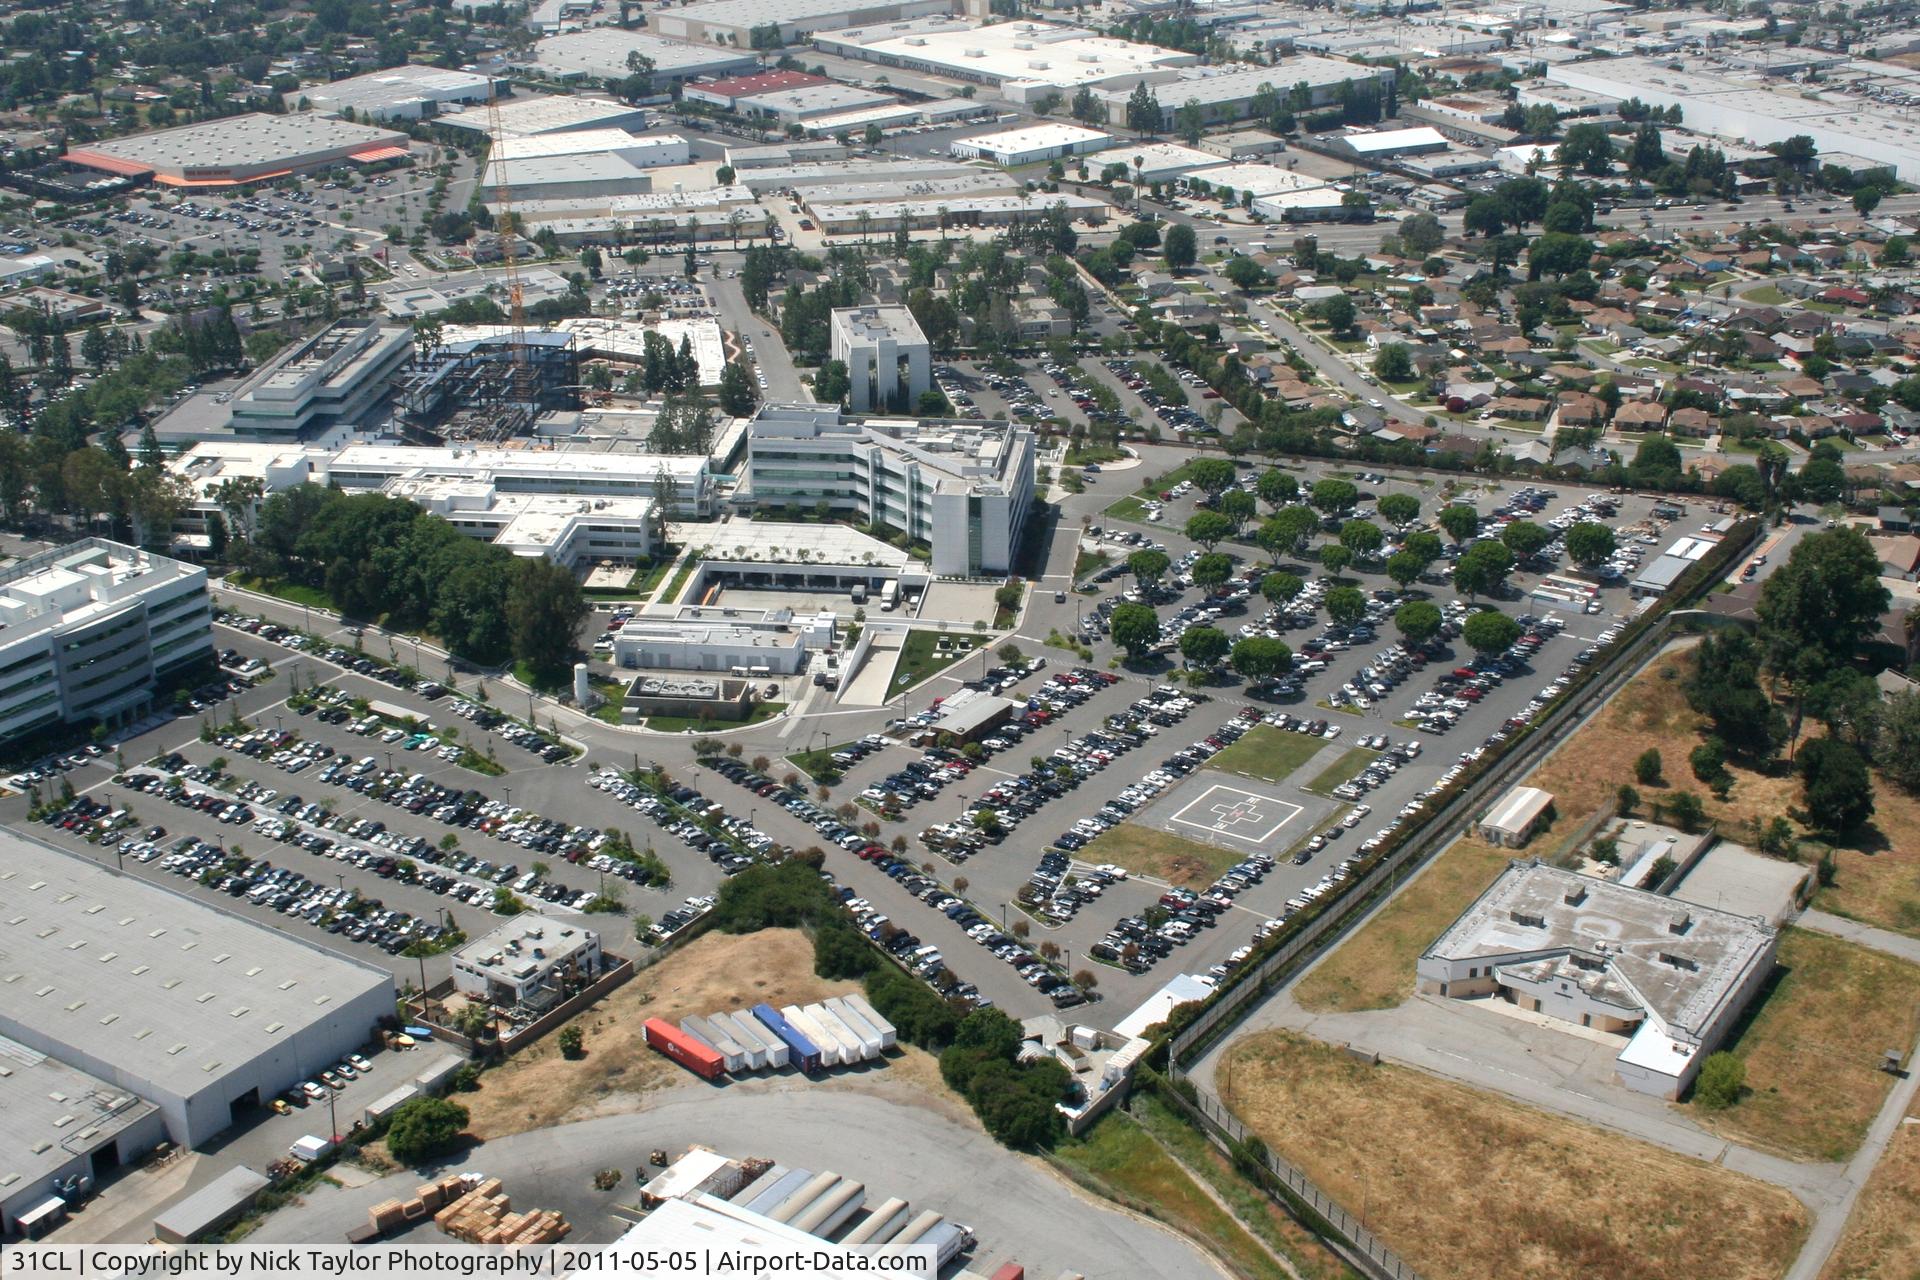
<point>1238,814</point>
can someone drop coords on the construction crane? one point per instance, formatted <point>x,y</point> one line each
<point>504,225</point>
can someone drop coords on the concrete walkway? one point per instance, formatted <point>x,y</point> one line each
<point>1894,944</point>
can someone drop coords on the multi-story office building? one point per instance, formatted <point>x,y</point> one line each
<point>889,361</point>
<point>334,378</point>
<point>964,488</point>
<point>87,629</point>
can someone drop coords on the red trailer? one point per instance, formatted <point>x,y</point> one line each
<point>683,1049</point>
<point>1010,1271</point>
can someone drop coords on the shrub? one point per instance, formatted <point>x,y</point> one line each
<point>424,1128</point>
<point>572,1041</point>
<point>1722,1079</point>
<point>1709,760</point>
<point>1646,768</point>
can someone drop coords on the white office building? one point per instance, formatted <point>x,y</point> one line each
<point>204,1013</point>
<point>529,962</point>
<point>335,378</point>
<point>406,92</point>
<point>87,629</point>
<point>964,488</point>
<point>889,361</point>
<point>739,641</point>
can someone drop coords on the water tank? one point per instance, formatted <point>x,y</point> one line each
<point>582,688</point>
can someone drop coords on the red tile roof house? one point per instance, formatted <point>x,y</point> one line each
<point>1697,423</point>
<point>1578,409</point>
<point>1640,415</point>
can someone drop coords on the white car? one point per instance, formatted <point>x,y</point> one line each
<point>1107,868</point>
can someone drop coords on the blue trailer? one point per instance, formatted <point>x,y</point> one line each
<point>801,1052</point>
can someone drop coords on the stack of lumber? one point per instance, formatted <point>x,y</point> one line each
<point>485,1215</point>
<point>429,1197</point>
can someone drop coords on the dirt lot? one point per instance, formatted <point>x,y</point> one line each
<point>1812,1048</point>
<point>1474,1187</point>
<point>539,1088</point>
<point>1148,851</point>
<point>1883,1235</point>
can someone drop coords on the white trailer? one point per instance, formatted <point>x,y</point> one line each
<point>826,1215</point>
<point>772,1049</point>
<point>802,1200</point>
<point>855,1022</point>
<point>732,1055</point>
<point>777,1191</point>
<point>881,1225</point>
<point>947,1239</point>
<point>832,1052</point>
<point>753,1056</point>
<point>859,1004</point>
<point>866,1043</point>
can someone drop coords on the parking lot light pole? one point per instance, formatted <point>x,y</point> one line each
<point>333,1120</point>
<point>1003,918</point>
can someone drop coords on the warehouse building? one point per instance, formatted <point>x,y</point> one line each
<point>1314,204</point>
<point>204,1014</point>
<point>811,102</point>
<point>529,962</point>
<point>1224,95</point>
<point>1154,161</point>
<point>729,94</point>
<point>406,92</point>
<point>600,53</point>
<point>242,149</point>
<point>530,117</point>
<point>1024,61</point>
<point>1671,979</point>
<point>972,210</point>
<point>889,361</point>
<point>61,1130</point>
<point>1383,144</point>
<point>1034,145</point>
<point>587,175</point>
<point>735,22</point>
<point>87,629</point>
<point>963,488</point>
<point>1260,179</point>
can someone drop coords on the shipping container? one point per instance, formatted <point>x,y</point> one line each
<point>858,1003</point>
<point>1010,1271</point>
<point>832,1052</point>
<point>831,1211</point>
<point>881,1225</point>
<point>771,1049</point>
<point>802,1200</point>
<point>775,1193</point>
<point>870,1042</point>
<point>683,1048</point>
<point>732,1056</point>
<point>865,1044</point>
<point>801,1051</point>
<point>751,1046</point>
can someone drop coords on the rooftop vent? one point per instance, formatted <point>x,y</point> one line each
<point>1576,895</point>
<point>1680,921</point>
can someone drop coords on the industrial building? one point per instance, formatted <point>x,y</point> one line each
<point>242,149</point>
<point>1226,94</point>
<point>735,22</point>
<point>1024,61</point>
<point>1034,145</point>
<point>600,53</point>
<point>1148,162</point>
<point>581,174</point>
<point>61,1130</point>
<point>644,151</point>
<point>732,93</point>
<point>889,361</point>
<point>405,92</point>
<point>529,962</point>
<point>1671,979</point>
<point>1512,820</point>
<point>963,488</point>
<point>1375,145</point>
<point>1314,204</point>
<point>88,628</point>
<point>723,640</point>
<point>530,117</point>
<point>953,211</point>
<point>204,1014</point>
<point>1755,110</point>
<point>1260,179</point>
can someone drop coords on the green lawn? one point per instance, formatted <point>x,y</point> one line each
<point>1767,295</point>
<point>817,765</point>
<point>1090,562</point>
<point>1268,753</point>
<point>920,659</point>
<point>1081,455</point>
<point>646,580</point>
<point>1128,508</point>
<point>1350,762</point>
<point>612,693</point>
<point>762,711</point>
<point>680,579</point>
<point>298,593</point>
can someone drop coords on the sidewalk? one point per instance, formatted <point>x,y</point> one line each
<point>1866,935</point>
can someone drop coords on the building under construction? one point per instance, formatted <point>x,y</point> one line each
<point>487,388</point>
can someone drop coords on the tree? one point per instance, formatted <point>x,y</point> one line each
<point>423,1128</point>
<point>1418,621</point>
<point>1208,528</point>
<point>832,382</point>
<point>1866,200</point>
<point>1260,657</point>
<point>1835,787</point>
<point>1393,362</point>
<point>737,395</point>
<point>1204,646</point>
<point>1525,538</point>
<point>1338,313</point>
<point>1288,532</point>
<point>1647,766</point>
<point>1898,738</point>
<point>1244,273</point>
<point>1398,509</point>
<point>1236,505</point>
<point>1587,148</point>
<point>1405,568</point>
<point>1334,558</point>
<point>544,612</point>
<point>1490,632</point>
<point>1362,537</point>
<point>1482,569</point>
<point>1333,497</point>
<point>1278,588</point>
<point>1818,608</point>
<point>1422,234</point>
<point>1460,521</point>
<point>571,1041</point>
<point>1346,605</point>
<point>1148,565</point>
<point>1212,476</point>
<point>1136,628</point>
<point>1212,569</point>
<point>1276,488</point>
<point>1558,254</point>
<point>1179,246</point>
<point>1722,1079</point>
<point>1590,544</point>
<point>1688,814</point>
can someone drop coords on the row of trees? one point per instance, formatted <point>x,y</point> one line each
<point>384,558</point>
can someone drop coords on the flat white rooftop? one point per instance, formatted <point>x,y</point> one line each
<point>1040,137</point>
<point>235,141</point>
<point>602,52</point>
<point>1261,179</point>
<point>1037,52</point>
<point>520,116</point>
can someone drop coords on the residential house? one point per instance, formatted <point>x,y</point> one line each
<point>1520,408</point>
<point>1695,423</point>
<point>1640,415</point>
<point>1578,409</point>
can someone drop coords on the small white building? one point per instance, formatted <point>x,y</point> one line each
<point>1511,822</point>
<point>740,641</point>
<point>1034,145</point>
<point>529,961</point>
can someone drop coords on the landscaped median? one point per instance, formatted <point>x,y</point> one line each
<point>1472,1186</point>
